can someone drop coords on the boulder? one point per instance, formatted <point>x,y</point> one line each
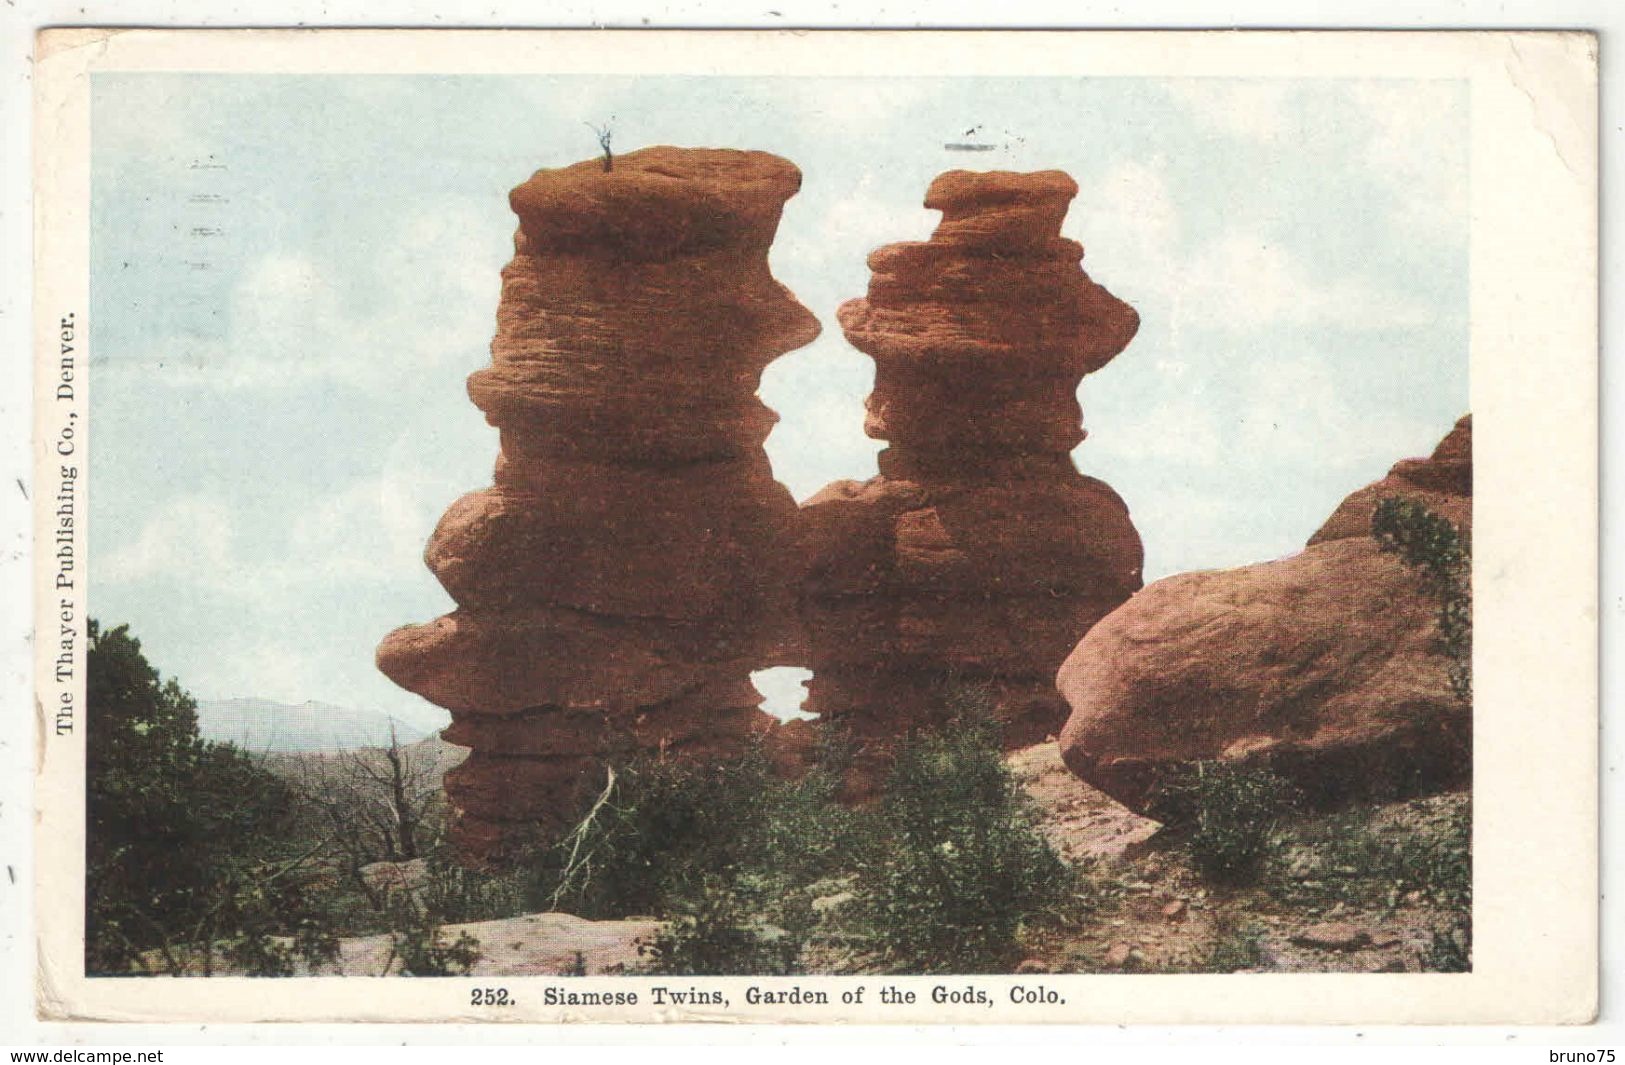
<point>1332,935</point>
<point>1323,667</point>
<point>395,878</point>
<point>1442,482</point>
<point>536,944</point>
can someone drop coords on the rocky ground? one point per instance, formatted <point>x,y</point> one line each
<point>1151,911</point>
<point>1370,890</point>
<point>537,944</point>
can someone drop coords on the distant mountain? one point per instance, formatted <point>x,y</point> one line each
<point>430,757</point>
<point>263,725</point>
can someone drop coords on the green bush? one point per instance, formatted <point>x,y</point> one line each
<point>1430,545</point>
<point>1450,951</point>
<point>423,951</point>
<point>960,864</point>
<point>1235,949</point>
<point>663,829</point>
<point>941,872</point>
<point>716,933</point>
<point>1229,812</point>
<point>454,894</point>
<point>699,842</point>
<point>657,830</point>
<point>194,852</point>
<point>1344,858</point>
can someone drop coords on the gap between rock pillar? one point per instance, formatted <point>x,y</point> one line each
<point>980,555</point>
<point>627,570</point>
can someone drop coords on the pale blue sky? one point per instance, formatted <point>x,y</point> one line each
<point>292,276</point>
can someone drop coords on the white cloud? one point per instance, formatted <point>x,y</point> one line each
<point>374,530</point>
<point>1252,109</point>
<point>824,385</point>
<point>1237,282</point>
<point>424,299</point>
<point>1296,408</point>
<point>273,670</point>
<point>1129,226</point>
<point>1242,283</point>
<point>149,119</point>
<point>1192,525</point>
<point>1133,197</point>
<point>581,102</point>
<point>838,239</point>
<point>855,105</point>
<point>191,535</point>
<point>195,541</point>
<point>283,310</point>
<point>1411,127</point>
<point>1181,428</point>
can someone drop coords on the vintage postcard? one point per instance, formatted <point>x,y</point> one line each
<point>876,527</point>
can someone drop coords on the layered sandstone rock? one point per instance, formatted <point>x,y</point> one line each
<point>1442,482</point>
<point>626,571</point>
<point>1323,667</point>
<point>979,555</point>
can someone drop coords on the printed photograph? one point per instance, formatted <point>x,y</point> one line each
<point>594,525</point>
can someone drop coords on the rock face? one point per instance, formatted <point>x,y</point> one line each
<point>536,944</point>
<point>979,555</point>
<point>1442,482</point>
<point>1323,666</point>
<point>627,570</point>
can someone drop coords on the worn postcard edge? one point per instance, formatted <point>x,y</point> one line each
<point>1534,400</point>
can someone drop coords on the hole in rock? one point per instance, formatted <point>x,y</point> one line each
<point>784,689</point>
<point>818,393</point>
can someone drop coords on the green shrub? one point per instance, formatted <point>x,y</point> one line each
<point>960,864</point>
<point>1451,950</point>
<point>942,872</point>
<point>1230,812</point>
<point>1234,949</point>
<point>423,951</point>
<point>1438,862</point>
<point>193,850</point>
<point>1432,546</point>
<point>1345,858</point>
<point>716,933</point>
<point>454,894</point>
<point>658,829</point>
<point>662,829</point>
<point>260,952</point>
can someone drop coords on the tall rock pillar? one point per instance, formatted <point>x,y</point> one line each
<point>980,555</point>
<point>626,572</point>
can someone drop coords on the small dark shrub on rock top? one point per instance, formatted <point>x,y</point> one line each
<point>1230,814</point>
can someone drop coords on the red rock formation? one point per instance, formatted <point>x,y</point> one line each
<point>624,575</point>
<point>1442,482</point>
<point>979,555</point>
<point>1323,667</point>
